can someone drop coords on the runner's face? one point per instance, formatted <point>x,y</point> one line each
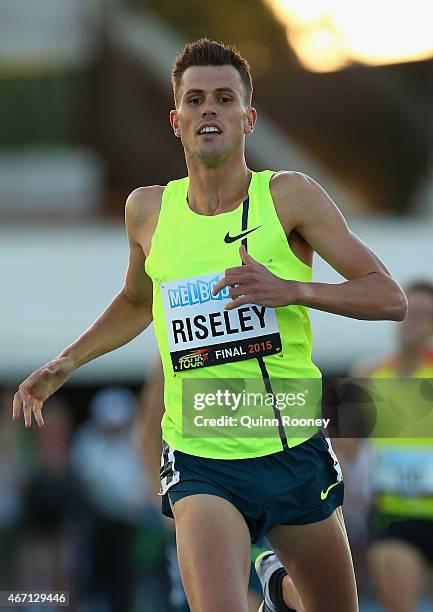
<point>418,324</point>
<point>212,97</point>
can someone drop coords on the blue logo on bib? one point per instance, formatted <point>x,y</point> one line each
<point>196,292</point>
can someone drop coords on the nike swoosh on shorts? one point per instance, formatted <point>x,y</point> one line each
<point>324,495</point>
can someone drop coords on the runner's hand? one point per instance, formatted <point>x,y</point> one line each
<point>38,387</point>
<point>253,283</point>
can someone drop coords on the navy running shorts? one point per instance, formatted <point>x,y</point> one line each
<point>297,486</point>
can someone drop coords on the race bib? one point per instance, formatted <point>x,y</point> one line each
<point>405,471</point>
<point>201,333</point>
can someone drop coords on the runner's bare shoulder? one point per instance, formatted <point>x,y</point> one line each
<point>292,189</point>
<point>144,202</point>
<point>142,212</point>
<point>287,188</point>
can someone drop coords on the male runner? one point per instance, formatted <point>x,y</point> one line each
<point>226,492</point>
<point>401,548</point>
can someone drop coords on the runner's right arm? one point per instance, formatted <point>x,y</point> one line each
<point>129,313</point>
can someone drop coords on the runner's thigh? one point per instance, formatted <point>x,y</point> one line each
<point>318,558</point>
<point>213,544</point>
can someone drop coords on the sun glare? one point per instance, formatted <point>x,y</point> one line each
<point>328,35</point>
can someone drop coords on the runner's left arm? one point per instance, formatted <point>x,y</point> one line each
<point>369,292</point>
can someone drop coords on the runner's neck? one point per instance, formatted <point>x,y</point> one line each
<point>215,191</point>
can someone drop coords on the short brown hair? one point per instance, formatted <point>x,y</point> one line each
<point>420,285</point>
<point>205,52</point>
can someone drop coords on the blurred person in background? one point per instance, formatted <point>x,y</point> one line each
<point>401,548</point>
<point>105,458</point>
<point>149,434</point>
<point>210,486</point>
<point>54,509</point>
<point>355,460</point>
<point>12,475</point>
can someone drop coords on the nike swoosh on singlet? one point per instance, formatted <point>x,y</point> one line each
<point>324,495</point>
<point>228,239</point>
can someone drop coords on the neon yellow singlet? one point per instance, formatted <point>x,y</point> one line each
<point>188,253</point>
<point>403,467</point>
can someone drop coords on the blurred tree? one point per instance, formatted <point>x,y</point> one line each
<point>40,109</point>
<point>248,24</point>
<point>365,125</point>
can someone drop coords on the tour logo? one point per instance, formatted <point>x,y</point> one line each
<point>201,333</point>
<point>196,359</point>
